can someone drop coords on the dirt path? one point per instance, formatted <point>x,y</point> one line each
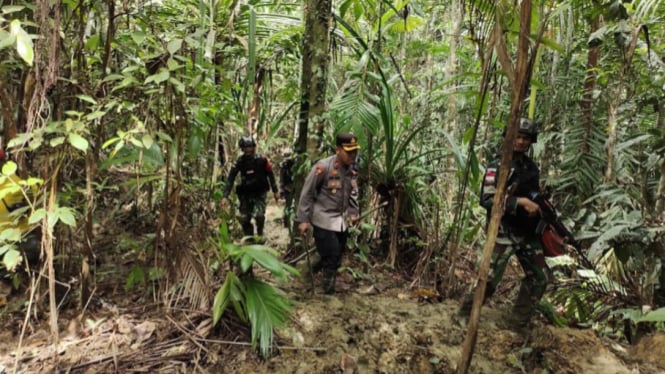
<point>374,324</point>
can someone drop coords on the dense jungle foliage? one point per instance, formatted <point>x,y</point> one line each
<point>135,108</point>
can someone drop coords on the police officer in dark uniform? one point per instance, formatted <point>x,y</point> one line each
<point>256,179</point>
<point>517,232</point>
<point>329,203</point>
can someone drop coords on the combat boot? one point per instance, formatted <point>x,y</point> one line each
<point>247,228</point>
<point>522,311</point>
<point>329,278</point>
<point>260,224</point>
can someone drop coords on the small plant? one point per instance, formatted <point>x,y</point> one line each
<point>253,300</point>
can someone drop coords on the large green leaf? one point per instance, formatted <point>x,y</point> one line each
<point>267,309</point>
<point>11,259</point>
<point>232,291</point>
<point>23,42</point>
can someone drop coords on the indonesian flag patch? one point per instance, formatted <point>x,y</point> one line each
<point>490,177</point>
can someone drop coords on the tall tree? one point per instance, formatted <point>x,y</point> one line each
<point>314,73</point>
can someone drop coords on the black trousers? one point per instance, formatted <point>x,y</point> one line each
<point>330,245</point>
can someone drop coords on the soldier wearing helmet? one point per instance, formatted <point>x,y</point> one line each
<point>517,232</point>
<point>256,179</point>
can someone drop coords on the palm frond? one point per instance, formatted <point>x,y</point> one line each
<point>267,310</point>
<point>194,282</point>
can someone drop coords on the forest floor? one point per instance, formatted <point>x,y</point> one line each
<point>374,324</point>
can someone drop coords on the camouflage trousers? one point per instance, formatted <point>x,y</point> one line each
<point>530,254</point>
<point>252,206</point>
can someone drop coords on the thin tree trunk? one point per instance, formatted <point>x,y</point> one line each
<point>615,102</point>
<point>586,105</point>
<point>659,210</point>
<point>254,110</point>
<point>518,86</point>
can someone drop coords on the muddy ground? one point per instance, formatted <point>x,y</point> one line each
<point>374,324</point>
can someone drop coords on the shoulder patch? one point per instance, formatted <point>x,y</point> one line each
<point>320,169</point>
<point>490,177</point>
<point>268,164</point>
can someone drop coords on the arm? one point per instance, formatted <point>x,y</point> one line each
<point>271,176</point>
<point>231,180</point>
<point>271,179</point>
<point>229,183</point>
<point>308,196</point>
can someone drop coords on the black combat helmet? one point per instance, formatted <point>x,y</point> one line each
<point>529,127</point>
<point>246,141</point>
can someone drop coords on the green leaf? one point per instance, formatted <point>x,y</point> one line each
<point>179,86</point>
<point>135,276</point>
<point>94,115</point>
<point>87,98</point>
<point>66,215</point>
<point>267,310</point>
<point>37,216</point>
<point>138,37</point>
<point>231,291</point>
<point>92,43</point>
<point>78,142</point>
<point>657,315</point>
<point>8,9</point>
<point>11,259</point>
<point>6,39</point>
<point>23,42</point>
<point>147,140</point>
<point>57,141</point>
<point>9,168</point>
<point>10,235</point>
<point>159,77</point>
<point>246,262</point>
<point>174,46</point>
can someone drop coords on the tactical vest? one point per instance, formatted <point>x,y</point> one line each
<point>253,175</point>
<point>286,174</point>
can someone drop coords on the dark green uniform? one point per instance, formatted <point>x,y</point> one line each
<point>256,179</point>
<point>517,234</point>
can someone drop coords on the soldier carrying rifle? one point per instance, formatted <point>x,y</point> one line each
<point>518,230</point>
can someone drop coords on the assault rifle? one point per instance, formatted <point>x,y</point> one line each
<point>554,234</point>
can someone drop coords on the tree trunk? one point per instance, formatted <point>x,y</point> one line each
<point>615,101</point>
<point>519,88</point>
<point>314,73</point>
<point>659,209</point>
<point>586,105</point>
<point>313,81</point>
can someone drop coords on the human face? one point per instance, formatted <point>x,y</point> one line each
<point>347,158</point>
<point>522,143</point>
<point>248,151</point>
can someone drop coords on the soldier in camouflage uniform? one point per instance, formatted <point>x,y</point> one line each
<point>517,233</point>
<point>256,179</point>
<point>329,203</point>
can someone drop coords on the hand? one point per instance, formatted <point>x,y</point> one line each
<point>225,202</point>
<point>531,208</point>
<point>277,197</point>
<point>353,220</point>
<point>303,227</point>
